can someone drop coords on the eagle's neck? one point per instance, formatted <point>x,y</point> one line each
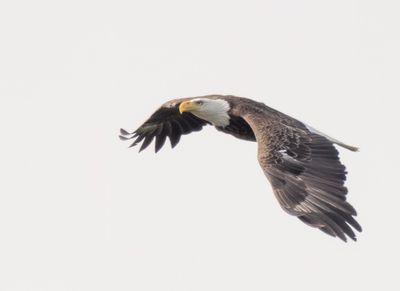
<point>214,111</point>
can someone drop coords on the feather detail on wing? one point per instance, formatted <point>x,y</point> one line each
<point>165,122</point>
<point>306,175</point>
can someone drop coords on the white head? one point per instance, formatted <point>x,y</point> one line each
<point>214,111</point>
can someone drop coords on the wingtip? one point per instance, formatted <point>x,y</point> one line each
<point>121,137</point>
<point>123,132</point>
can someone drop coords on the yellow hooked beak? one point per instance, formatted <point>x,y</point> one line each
<point>187,106</point>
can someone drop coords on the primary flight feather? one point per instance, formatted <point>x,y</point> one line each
<point>301,163</point>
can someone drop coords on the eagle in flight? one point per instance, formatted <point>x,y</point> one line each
<point>301,163</point>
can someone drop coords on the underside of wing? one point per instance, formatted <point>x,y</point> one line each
<point>311,186</point>
<point>165,122</point>
<point>305,172</point>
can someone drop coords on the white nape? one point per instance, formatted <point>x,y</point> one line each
<point>214,111</point>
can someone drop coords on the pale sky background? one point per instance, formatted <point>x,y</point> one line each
<point>81,211</point>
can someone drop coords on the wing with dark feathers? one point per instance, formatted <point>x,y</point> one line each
<point>165,122</point>
<point>306,175</point>
<point>239,128</point>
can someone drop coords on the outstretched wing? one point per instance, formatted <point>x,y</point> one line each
<point>165,122</point>
<point>306,174</point>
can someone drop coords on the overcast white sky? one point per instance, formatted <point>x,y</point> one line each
<point>80,211</point>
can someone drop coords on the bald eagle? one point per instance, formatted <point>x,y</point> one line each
<point>301,163</point>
